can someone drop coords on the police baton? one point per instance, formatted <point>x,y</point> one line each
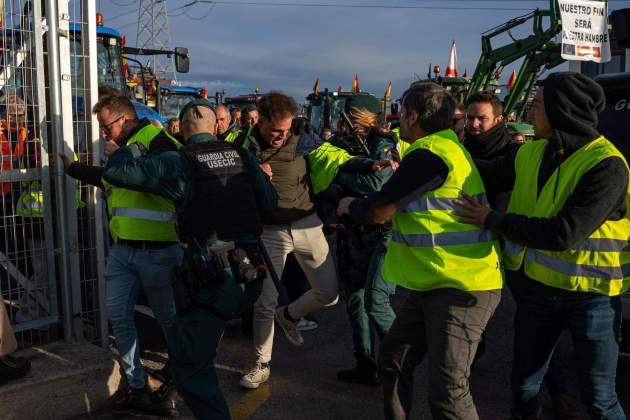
<point>283,298</point>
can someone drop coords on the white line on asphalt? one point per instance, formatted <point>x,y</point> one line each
<point>230,368</point>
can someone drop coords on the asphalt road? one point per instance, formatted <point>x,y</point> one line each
<point>303,381</point>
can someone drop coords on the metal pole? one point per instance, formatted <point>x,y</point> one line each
<point>54,73</point>
<point>89,36</point>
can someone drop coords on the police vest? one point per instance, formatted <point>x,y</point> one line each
<point>430,248</point>
<point>137,215</point>
<point>223,200</point>
<point>324,163</point>
<point>600,263</point>
<point>12,158</point>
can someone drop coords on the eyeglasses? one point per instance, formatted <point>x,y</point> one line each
<point>108,127</point>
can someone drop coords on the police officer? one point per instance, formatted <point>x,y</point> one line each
<point>362,247</point>
<point>222,271</point>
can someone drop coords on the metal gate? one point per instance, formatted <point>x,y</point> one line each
<point>51,236</point>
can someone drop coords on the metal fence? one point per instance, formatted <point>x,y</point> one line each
<point>51,236</point>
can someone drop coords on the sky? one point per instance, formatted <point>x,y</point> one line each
<point>238,47</point>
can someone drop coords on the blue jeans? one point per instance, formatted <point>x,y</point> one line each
<point>127,270</point>
<point>593,322</point>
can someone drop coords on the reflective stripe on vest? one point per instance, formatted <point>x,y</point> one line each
<point>430,248</point>
<point>577,270</point>
<point>156,216</point>
<point>444,239</point>
<point>439,203</point>
<point>600,263</point>
<point>138,215</point>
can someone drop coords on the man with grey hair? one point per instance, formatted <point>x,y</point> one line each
<point>451,269</point>
<point>226,131</point>
<point>222,271</point>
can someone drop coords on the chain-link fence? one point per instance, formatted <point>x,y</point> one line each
<point>51,236</point>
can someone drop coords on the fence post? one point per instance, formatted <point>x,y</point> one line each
<point>61,127</point>
<point>89,35</point>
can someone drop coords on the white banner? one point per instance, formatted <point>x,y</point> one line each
<point>585,30</point>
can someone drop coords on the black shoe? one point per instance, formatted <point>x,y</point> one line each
<point>142,401</point>
<point>364,373</point>
<point>13,368</point>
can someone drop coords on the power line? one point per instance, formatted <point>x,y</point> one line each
<point>380,6</point>
<point>205,15</point>
<point>354,6</point>
<point>183,8</point>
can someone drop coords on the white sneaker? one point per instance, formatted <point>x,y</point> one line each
<point>306,325</point>
<point>257,375</point>
<point>289,327</point>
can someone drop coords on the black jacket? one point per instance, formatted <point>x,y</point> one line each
<point>492,144</point>
<point>572,102</point>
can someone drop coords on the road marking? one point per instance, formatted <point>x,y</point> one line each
<point>250,402</point>
<point>230,368</point>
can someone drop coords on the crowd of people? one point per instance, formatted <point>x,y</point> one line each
<point>206,214</point>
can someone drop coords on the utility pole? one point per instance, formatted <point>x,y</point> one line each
<point>154,32</point>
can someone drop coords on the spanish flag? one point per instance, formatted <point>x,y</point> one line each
<point>388,91</point>
<point>355,85</point>
<point>316,86</point>
<point>510,83</point>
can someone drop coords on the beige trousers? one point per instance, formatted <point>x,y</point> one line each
<point>7,339</point>
<point>306,240</point>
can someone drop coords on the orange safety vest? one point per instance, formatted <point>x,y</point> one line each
<point>11,159</point>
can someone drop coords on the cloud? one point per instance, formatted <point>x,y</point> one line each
<point>242,47</point>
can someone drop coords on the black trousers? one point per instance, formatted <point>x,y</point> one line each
<point>445,326</point>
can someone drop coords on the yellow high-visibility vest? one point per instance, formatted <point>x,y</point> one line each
<point>600,263</point>
<point>431,249</point>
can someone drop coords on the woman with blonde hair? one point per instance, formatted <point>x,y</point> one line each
<point>362,247</point>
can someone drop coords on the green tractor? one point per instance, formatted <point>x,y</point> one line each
<point>324,108</point>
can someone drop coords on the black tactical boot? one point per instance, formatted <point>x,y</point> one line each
<point>364,373</point>
<point>142,401</point>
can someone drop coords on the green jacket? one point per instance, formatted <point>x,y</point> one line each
<point>167,174</point>
<point>364,182</point>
